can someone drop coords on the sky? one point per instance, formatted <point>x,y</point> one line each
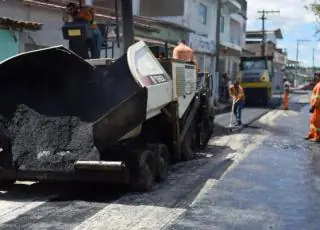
<point>295,22</point>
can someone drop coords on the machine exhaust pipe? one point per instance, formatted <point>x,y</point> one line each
<point>116,166</point>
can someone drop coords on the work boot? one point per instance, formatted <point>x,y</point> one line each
<point>315,140</point>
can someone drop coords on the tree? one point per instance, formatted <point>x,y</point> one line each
<point>315,9</point>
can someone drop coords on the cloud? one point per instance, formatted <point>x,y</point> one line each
<point>292,12</point>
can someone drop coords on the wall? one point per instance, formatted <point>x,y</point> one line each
<point>235,29</point>
<point>225,25</point>
<point>9,43</point>
<point>271,37</point>
<point>241,26</point>
<point>191,20</point>
<point>50,34</point>
<point>166,33</point>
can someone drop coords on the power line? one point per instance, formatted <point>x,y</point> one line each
<point>263,19</point>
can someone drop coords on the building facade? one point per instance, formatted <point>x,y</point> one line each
<point>253,43</point>
<point>232,35</point>
<point>49,14</point>
<point>51,21</point>
<point>200,16</point>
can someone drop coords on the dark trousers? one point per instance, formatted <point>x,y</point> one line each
<point>237,110</point>
<point>96,43</point>
<point>80,47</point>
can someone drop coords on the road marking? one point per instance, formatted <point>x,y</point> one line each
<point>210,183</point>
<point>123,216</point>
<point>12,209</point>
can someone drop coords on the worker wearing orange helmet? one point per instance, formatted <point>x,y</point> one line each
<point>314,131</point>
<point>183,52</point>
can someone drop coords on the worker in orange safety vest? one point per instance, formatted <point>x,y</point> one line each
<point>238,97</point>
<point>286,94</point>
<point>314,131</point>
<point>184,53</point>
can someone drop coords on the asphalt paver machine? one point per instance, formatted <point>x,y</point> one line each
<point>124,121</point>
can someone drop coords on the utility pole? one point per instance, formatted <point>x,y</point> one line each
<point>127,24</point>
<point>263,19</point>
<point>297,57</point>
<point>313,66</point>
<point>218,46</point>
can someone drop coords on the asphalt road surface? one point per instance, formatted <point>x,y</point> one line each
<point>264,177</point>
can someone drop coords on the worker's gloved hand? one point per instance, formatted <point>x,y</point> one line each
<point>312,109</point>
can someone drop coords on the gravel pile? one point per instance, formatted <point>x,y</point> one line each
<point>49,143</point>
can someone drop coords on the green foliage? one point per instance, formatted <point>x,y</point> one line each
<point>315,8</point>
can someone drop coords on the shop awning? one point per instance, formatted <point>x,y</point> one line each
<point>18,24</point>
<point>146,40</point>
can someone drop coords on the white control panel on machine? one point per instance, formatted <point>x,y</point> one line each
<point>149,73</point>
<point>184,84</point>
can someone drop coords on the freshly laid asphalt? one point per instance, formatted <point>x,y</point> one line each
<point>275,187</point>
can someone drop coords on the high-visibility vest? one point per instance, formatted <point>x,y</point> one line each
<point>236,93</point>
<point>315,98</point>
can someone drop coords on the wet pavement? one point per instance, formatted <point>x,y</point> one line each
<point>275,187</point>
<point>249,113</point>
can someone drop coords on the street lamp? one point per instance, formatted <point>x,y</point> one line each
<point>297,57</point>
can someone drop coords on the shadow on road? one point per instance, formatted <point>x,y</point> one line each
<point>76,202</point>
<point>95,192</point>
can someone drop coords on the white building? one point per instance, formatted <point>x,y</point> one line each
<point>200,16</point>
<point>232,35</point>
<point>49,14</point>
<point>50,17</point>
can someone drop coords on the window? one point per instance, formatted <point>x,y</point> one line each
<point>202,13</point>
<point>254,64</point>
<point>222,24</point>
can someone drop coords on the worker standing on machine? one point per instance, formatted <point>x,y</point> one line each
<point>71,15</point>
<point>237,94</point>
<point>286,94</point>
<point>95,48</point>
<point>85,14</point>
<point>183,52</point>
<point>314,131</point>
